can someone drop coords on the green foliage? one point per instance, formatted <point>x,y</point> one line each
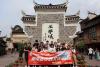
<point>81,59</point>
<point>80,44</point>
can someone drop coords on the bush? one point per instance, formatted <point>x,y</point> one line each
<point>81,59</point>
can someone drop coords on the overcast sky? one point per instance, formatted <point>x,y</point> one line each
<point>10,10</point>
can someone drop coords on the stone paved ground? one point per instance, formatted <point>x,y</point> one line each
<point>93,62</point>
<point>7,59</point>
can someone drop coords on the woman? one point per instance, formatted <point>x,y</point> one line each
<point>26,49</point>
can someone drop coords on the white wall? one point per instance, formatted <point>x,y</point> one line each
<point>45,31</point>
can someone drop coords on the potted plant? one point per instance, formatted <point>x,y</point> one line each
<point>81,61</point>
<point>20,60</point>
<point>15,63</point>
<point>81,46</point>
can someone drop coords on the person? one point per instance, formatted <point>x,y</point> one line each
<point>63,47</point>
<point>95,53</point>
<point>2,47</point>
<point>36,44</point>
<point>90,53</point>
<point>98,55</point>
<point>26,49</point>
<point>40,47</point>
<point>55,44</point>
<point>68,47</point>
<point>10,46</point>
<point>46,45</point>
<point>51,47</point>
<point>58,46</point>
<point>26,52</point>
<point>58,41</point>
<point>21,49</point>
<point>73,50</point>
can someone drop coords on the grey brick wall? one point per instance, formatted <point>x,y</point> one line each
<point>64,31</point>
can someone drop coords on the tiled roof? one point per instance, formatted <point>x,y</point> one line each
<point>17,30</point>
<point>50,6</point>
<point>86,23</point>
<point>29,18</point>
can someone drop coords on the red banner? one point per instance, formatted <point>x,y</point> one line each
<point>50,58</point>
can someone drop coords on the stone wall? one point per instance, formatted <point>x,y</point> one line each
<point>64,31</point>
<point>51,18</point>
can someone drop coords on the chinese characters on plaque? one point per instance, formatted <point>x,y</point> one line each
<point>50,32</point>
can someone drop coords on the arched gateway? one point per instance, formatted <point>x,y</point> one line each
<point>50,23</point>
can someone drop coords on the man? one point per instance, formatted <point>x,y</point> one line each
<point>63,47</point>
<point>26,49</point>
<point>36,44</point>
<point>58,46</point>
<point>90,53</point>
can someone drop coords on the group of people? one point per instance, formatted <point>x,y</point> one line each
<point>94,53</point>
<point>50,46</point>
<point>47,46</point>
<point>6,47</point>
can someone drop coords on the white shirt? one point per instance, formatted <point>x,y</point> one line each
<point>58,43</point>
<point>90,50</point>
<point>52,49</point>
<point>73,50</point>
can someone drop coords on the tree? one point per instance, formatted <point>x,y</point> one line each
<point>81,46</point>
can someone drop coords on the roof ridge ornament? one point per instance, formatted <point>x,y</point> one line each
<point>91,13</point>
<point>65,3</point>
<point>34,2</point>
<point>78,13</point>
<point>23,13</point>
<point>50,4</point>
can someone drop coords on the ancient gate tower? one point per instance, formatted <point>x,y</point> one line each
<point>50,23</point>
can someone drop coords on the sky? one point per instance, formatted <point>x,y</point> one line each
<point>10,10</point>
